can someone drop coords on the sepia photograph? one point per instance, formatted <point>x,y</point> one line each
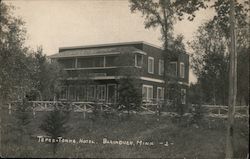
<point>124,79</point>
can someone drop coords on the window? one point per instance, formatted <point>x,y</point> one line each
<point>138,60</point>
<point>183,96</point>
<point>161,67</point>
<point>110,61</point>
<point>182,70</point>
<point>160,93</point>
<point>150,65</point>
<point>147,92</point>
<point>101,93</point>
<point>173,68</point>
<point>90,62</point>
<point>67,63</point>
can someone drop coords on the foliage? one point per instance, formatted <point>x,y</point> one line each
<point>54,124</point>
<point>15,62</point>
<point>177,45</point>
<point>46,76</point>
<point>129,94</point>
<point>164,13</point>
<point>23,71</point>
<point>23,117</point>
<point>243,76</point>
<point>129,87</point>
<point>221,18</point>
<point>210,58</point>
<point>197,114</point>
<point>204,142</point>
<point>195,94</point>
<point>22,113</point>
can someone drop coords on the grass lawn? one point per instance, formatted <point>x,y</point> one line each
<point>204,141</point>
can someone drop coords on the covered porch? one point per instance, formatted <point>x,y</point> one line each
<point>95,91</point>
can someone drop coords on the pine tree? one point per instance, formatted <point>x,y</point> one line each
<point>54,125</point>
<point>129,94</point>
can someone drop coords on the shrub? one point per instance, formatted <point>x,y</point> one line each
<point>23,117</point>
<point>54,125</point>
<point>197,114</point>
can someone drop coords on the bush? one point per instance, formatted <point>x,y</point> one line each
<point>129,94</point>
<point>54,125</point>
<point>23,117</point>
<point>197,114</point>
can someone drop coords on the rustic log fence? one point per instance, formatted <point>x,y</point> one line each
<point>222,111</point>
<point>218,111</point>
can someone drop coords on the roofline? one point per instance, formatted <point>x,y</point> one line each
<point>95,54</point>
<point>107,44</point>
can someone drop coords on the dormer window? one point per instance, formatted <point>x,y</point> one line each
<point>150,65</point>
<point>138,60</point>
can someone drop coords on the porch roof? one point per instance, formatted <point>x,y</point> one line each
<point>96,52</point>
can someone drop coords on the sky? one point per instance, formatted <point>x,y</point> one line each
<point>61,23</point>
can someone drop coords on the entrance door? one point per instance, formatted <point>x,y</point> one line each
<point>111,93</point>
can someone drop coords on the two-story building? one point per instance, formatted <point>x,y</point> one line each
<point>94,71</point>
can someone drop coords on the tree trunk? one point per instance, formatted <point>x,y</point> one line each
<point>232,85</point>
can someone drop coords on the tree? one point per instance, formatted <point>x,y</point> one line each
<point>163,14</point>
<point>129,94</point>
<point>195,93</point>
<point>210,57</point>
<point>14,69</point>
<point>129,87</point>
<point>14,59</point>
<point>222,16</point>
<point>210,63</point>
<point>243,76</point>
<point>54,125</point>
<point>225,24</point>
<point>46,76</point>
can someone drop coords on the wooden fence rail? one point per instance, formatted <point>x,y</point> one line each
<point>222,111</point>
<point>146,107</point>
